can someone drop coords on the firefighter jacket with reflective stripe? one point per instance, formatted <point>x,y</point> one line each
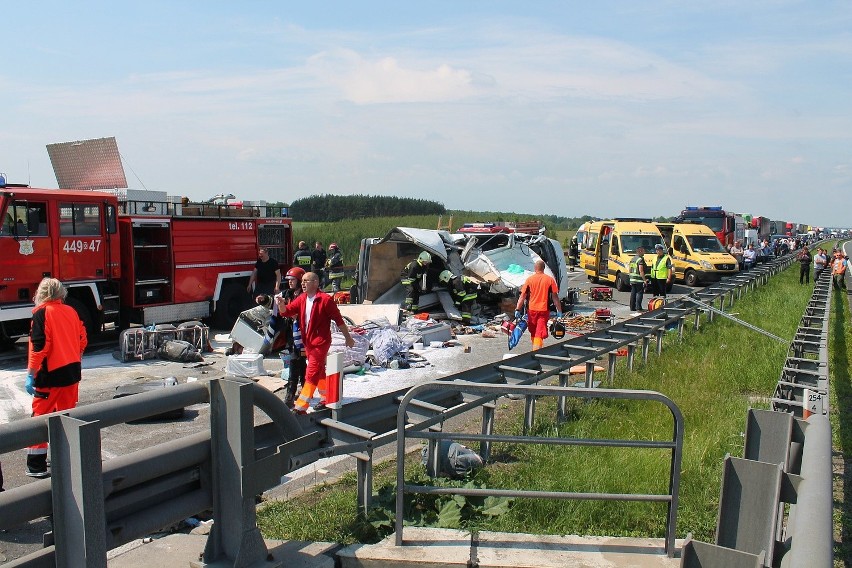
<point>660,268</point>
<point>57,341</point>
<point>334,265</point>
<point>302,259</point>
<point>635,274</point>
<point>414,274</point>
<point>464,289</point>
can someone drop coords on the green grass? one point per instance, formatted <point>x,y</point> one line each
<point>713,375</point>
<point>840,399</point>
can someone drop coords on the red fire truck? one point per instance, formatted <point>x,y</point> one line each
<point>729,227</point>
<point>127,262</point>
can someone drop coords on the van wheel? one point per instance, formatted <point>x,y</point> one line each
<point>690,278</point>
<point>233,300</point>
<point>622,282</point>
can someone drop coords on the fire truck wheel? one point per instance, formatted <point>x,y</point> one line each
<point>84,314</point>
<point>233,300</point>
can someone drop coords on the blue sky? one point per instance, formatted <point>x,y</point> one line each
<point>566,107</point>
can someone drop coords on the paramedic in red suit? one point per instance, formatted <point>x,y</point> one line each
<point>57,341</point>
<point>315,311</point>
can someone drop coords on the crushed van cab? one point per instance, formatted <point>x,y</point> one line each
<point>499,262</point>
<point>698,256</point>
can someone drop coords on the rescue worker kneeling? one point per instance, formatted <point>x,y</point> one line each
<point>464,290</point>
<point>414,278</point>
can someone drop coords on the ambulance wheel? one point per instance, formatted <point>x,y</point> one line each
<point>622,282</point>
<point>233,300</point>
<point>84,314</point>
<point>690,278</point>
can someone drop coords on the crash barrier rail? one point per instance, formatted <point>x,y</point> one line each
<point>775,504</point>
<point>98,506</point>
<point>139,493</point>
<point>489,393</point>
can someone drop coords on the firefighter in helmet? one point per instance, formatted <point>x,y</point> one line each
<point>334,267</point>
<point>414,278</point>
<point>464,291</point>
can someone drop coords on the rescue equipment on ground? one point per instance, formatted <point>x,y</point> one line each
<point>600,293</point>
<point>655,303</point>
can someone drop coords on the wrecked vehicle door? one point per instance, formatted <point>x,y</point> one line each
<point>381,261</point>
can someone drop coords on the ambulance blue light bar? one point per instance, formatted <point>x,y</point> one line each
<point>714,208</point>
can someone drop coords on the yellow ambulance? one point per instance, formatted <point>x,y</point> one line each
<point>697,255</point>
<point>609,246</point>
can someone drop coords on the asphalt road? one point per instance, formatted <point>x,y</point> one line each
<point>103,374</point>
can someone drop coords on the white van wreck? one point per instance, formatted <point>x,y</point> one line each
<point>500,262</point>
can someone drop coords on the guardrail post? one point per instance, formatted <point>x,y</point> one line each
<point>234,537</point>
<point>79,525</point>
<point>488,412</point>
<point>660,333</point>
<point>631,353</point>
<point>697,323</point>
<point>529,413</point>
<point>364,469</point>
<point>681,321</point>
<point>612,358</point>
<point>646,343</point>
<point>561,401</point>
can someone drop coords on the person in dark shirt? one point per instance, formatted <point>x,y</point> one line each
<point>266,276</point>
<point>318,258</point>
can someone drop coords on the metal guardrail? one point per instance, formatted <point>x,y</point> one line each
<point>139,493</point>
<point>775,505</point>
<point>492,392</point>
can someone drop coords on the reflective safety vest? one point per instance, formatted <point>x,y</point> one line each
<point>660,270</point>
<point>303,259</point>
<point>635,276</point>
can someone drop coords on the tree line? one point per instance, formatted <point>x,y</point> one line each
<point>329,208</point>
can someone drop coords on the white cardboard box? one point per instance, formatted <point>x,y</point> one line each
<point>246,365</point>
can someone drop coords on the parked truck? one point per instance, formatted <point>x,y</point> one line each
<point>729,227</point>
<point>697,255</point>
<point>126,261</point>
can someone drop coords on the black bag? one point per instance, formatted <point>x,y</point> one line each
<point>177,350</point>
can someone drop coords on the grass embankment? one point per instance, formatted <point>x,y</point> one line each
<point>714,376</point>
<point>840,399</point>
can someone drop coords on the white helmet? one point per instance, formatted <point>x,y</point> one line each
<point>424,257</point>
<point>445,276</point>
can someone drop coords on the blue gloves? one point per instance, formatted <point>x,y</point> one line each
<point>517,314</point>
<point>558,315</point>
<point>29,385</point>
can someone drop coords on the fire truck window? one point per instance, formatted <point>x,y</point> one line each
<point>24,219</point>
<point>82,219</point>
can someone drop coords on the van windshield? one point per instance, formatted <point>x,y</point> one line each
<point>629,243</point>
<point>705,243</point>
